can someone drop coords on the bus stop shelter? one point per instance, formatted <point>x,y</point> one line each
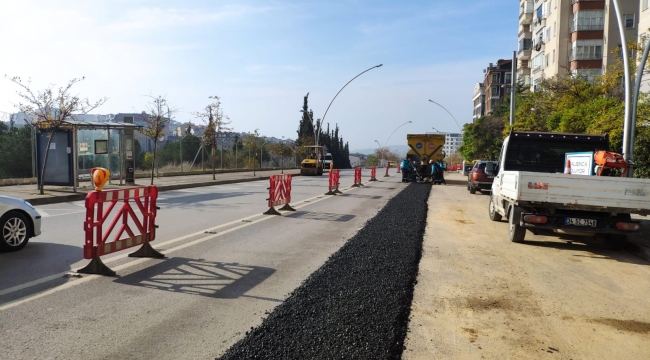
<point>74,152</point>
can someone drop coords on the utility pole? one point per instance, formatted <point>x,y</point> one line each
<point>513,83</point>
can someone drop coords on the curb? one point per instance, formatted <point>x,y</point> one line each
<point>82,196</point>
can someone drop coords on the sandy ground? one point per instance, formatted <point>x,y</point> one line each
<point>480,296</point>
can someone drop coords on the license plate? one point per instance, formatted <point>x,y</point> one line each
<point>580,222</point>
<point>490,176</point>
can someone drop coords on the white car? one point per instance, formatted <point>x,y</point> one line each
<point>19,222</point>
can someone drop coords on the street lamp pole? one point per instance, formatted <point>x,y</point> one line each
<point>261,154</point>
<point>381,151</point>
<point>317,135</point>
<point>452,116</point>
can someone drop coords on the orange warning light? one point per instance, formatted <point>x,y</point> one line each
<point>100,176</point>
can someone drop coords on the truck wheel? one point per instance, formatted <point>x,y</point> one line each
<point>516,233</point>
<point>472,190</point>
<point>616,241</point>
<point>494,215</point>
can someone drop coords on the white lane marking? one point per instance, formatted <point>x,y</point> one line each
<point>119,257</point>
<point>79,203</point>
<point>43,213</point>
<point>87,278</point>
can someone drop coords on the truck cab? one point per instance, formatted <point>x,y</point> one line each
<point>327,161</point>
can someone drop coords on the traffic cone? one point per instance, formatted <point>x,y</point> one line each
<point>567,167</point>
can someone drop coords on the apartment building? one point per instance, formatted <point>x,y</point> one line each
<point>570,36</point>
<point>452,142</point>
<point>496,84</point>
<point>479,101</point>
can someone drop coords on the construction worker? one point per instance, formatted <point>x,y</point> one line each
<point>406,170</point>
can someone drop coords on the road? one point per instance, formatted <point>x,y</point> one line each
<point>227,265</point>
<point>480,296</point>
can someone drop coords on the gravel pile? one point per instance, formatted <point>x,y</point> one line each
<point>356,306</point>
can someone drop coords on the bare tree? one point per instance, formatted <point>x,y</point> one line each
<point>51,110</point>
<point>216,124</point>
<point>155,123</point>
<point>252,142</point>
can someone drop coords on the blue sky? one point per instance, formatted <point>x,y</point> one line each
<point>262,57</point>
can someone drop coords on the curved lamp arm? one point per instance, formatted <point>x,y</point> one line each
<point>346,84</point>
<point>452,116</point>
<point>391,134</point>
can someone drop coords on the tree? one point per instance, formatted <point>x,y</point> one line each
<point>155,124</point>
<point>216,123</point>
<point>51,111</point>
<point>281,150</point>
<point>483,138</point>
<point>15,152</point>
<point>252,142</point>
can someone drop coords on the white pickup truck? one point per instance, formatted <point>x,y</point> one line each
<point>531,190</point>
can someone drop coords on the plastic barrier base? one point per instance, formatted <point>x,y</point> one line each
<point>96,267</point>
<point>287,207</point>
<point>271,211</point>
<point>147,251</point>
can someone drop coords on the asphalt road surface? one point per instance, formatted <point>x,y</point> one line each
<point>227,265</point>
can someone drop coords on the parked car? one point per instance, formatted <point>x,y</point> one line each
<point>19,222</point>
<point>481,176</point>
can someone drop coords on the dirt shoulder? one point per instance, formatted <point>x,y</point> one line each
<point>480,296</point>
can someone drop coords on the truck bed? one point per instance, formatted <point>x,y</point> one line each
<point>613,194</point>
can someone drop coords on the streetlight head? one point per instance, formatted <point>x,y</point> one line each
<point>410,122</point>
<point>380,65</point>
<point>430,100</point>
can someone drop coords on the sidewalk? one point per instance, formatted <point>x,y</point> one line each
<point>59,194</point>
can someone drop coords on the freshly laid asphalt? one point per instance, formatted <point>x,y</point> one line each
<point>356,306</point>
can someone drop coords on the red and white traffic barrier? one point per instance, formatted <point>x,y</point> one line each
<point>279,194</point>
<point>333,188</point>
<point>387,167</point>
<point>139,231</point>
<point>373,173</point>
<point>357,177</point>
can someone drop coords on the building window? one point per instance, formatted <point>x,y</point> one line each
<point>645,4</point>
<point>538,62</point>
<point>548,34</point>
<point>553,59</point>
<point>587,50</point>
<point>547,57</point>
<point>495,78</point>
<point>554,28</point>
<point>588,20</point>
<point>508,78</point>
<point>588,74</point>
<point>629,21</point>
<point>495,91</point>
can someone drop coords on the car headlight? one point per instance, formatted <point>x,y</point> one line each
<point>30,205</point>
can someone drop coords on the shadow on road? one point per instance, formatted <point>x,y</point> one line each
<point>592,248</point>
<point>321,216</point>
<point>200,277</point>
<point>35,261</point>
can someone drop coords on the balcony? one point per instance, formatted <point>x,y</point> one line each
<point>536,69</point>
<point>525,34</point>
<point>587,27</point>
<point>524,54</point>
<point>578,57</point>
